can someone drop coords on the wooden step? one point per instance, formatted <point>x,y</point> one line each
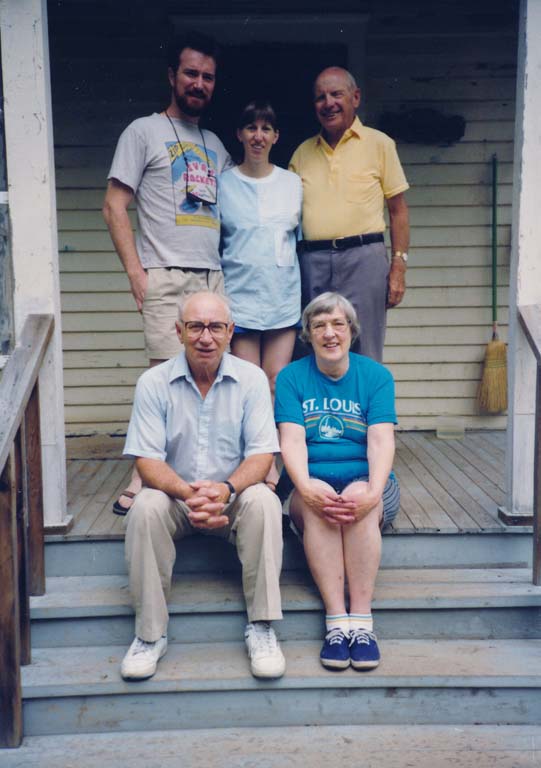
<point>95,557</point>
<point>385,746</point>
<point>74,690</point>
<point>409,603</point>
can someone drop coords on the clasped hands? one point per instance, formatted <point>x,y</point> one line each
<point>206,502</point>
<point>350,506</point>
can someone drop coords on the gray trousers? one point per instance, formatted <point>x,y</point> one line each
<point>155,520</point>
<point>360,274</point>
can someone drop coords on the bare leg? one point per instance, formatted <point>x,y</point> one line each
<point>324,551</point>
<point>247,346</point>
<point>135,484</point>
<point>362,554</point>
<point>277,349</point>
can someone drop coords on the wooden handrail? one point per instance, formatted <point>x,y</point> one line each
<point>530,320</point>
<point>21,515</point>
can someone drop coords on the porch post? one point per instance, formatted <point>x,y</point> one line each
<point>32,206</point>
<point>525,283</point>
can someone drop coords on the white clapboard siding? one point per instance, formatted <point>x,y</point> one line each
<point>420,54</point>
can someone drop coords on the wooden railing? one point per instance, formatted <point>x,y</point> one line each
<point>22,571</point>
<point>530,320</point>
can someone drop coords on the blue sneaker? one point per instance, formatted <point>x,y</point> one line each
<point>335,651</point>
<point>363,649</point>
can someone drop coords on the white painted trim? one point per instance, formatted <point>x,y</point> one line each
<point>525,271</point>
<point>32,201</point>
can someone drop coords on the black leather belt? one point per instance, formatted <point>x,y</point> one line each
<point>340,243</point>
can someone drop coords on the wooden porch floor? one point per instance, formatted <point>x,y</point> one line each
<point>447,486</point>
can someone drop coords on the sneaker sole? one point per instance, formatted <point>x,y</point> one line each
<point>336,664</point>
<point>279,672</point>
<point>364,664</point>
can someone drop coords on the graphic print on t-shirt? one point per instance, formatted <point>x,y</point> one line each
<point>190,172</point>
<point>333,418</point>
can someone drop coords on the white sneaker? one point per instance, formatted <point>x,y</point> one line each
<point>142,658</point>
<point>266,657</point>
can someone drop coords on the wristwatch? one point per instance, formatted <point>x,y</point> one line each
<point>401,255</point>
<point>232,491</point>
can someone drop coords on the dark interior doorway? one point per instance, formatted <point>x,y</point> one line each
<point>283,73</point>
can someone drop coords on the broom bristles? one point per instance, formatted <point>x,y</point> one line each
<point>492,396</point>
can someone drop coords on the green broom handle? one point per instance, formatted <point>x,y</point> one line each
<point>494,240</point>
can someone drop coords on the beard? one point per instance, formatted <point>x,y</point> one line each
<point>192,110</point>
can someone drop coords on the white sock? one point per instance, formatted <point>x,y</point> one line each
<point>361,621</point>
<point>337,621</point>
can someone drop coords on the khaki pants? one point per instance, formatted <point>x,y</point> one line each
<point>155,520</point>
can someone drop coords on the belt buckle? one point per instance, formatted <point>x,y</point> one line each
<point>334,243</point>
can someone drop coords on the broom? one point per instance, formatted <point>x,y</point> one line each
<point>492,395</point>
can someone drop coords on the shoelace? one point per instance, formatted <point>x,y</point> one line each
<point>361,636</point>
<point>335,635</point>
<point>142,646</point>
<point>264,637</point>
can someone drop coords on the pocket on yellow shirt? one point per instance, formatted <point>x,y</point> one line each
<point>360,187</point>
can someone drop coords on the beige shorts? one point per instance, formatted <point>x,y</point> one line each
<point>165,290</point>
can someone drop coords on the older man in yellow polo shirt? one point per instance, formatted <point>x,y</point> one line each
<point>348,171</point>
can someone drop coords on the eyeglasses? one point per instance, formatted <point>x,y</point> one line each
<point>194,329</point>
<point>320,326</point>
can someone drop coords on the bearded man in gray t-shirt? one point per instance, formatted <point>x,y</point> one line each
<point>171,167</point>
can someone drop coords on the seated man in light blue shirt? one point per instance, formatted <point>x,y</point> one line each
<point>203,436</point>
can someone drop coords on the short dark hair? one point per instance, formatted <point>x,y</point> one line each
<point>190,38</point>
<point>257,109</point>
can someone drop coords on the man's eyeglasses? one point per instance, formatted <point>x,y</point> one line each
<point>194,329</point>
<point>338,326</point>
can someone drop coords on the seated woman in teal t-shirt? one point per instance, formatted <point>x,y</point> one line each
<point>336,415</point>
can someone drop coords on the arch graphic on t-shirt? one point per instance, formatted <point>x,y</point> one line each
<point>331,427</point>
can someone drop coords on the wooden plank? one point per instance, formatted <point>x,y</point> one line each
<point>21,552</point>
<point>34,485</point>
<point>485,456</point>
<point>19,377</point>
<point>436,296</point>
<point>439,519</point>
<point>464,461</point>
<point>110,318</point>
<point>478,438</point>
<point>415,513</point>
<point>84,474</point>
<point>112,474</point>
<point>11,725</point>
<point>483,511</point>
<point>86,490</point>
<point>530,320</point>
<point>107,523</point>
<point>458,514</point>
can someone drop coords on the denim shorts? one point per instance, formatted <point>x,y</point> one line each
<point>390,498</point>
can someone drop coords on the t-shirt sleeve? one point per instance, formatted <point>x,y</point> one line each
<point>146,436</point>
<point>288,399</point>
<point>381,403</point>
<point>130,157</point>
<point>393,180</point>
<point>258,430</point>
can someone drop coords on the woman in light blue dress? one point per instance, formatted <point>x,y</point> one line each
<point>260,207</point>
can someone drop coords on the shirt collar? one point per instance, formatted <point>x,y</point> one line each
<point>181,370</point>
<point>355,129</point>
